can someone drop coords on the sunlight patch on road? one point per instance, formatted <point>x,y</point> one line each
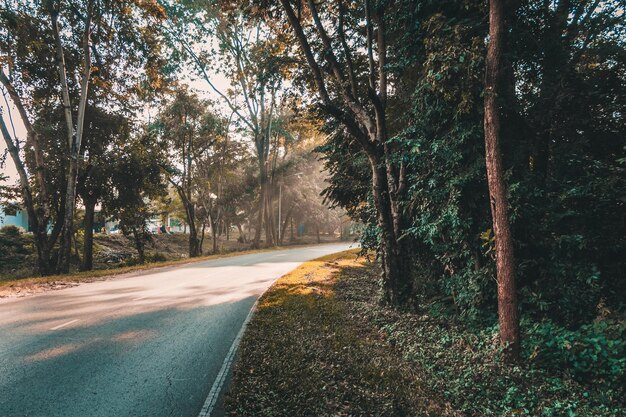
<point>60,326</point>
<point>53,352</point>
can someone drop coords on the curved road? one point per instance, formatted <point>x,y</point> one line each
<point>147,345</point>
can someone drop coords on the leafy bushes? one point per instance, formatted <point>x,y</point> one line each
<point>594,353</point>
<point>15,249</point>
<point>10,230</point>
<point>569,373</point>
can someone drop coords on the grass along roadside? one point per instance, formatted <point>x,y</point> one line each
<point>26,286</point>
<point>303,354</point>
<point>320,344</point>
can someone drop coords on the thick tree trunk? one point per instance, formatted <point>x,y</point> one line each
<point>397,277</point>
<point>65,244</point>
<point>505,260</point>
<point>194,244</point>
<point>139,246</point>
<point>190,213</point>
<point>90,208</point>
<point>44,266</point>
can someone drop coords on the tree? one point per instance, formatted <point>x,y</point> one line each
<point>108,132</point>
<point>74,133</point>
<point>221,181</point>
<point>254,61</point>
<point>136,181</point>
<point>47,47</point>
<point>505,261</point>
<point>190,131</point>
<point>359,103</point>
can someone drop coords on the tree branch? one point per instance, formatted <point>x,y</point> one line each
<point>205,75</point>
<point>346,49</point>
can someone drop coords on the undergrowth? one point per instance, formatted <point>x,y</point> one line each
<point>321,344</point>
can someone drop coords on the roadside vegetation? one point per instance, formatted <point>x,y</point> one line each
<point>479,147</point>
<point>320,343</point>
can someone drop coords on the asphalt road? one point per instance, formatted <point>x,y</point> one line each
<point>149,345</point>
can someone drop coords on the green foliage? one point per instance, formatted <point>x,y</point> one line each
<point>463,363</point>
<point>11,230</point>
<point>563,153</point>
<point>15,248</point>
<point>594,353</point>
<point>562,134</point>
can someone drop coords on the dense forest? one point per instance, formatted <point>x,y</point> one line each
<point>481,144</point>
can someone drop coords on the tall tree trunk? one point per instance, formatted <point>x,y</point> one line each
<point>505,261</point>
<point>74,135</point>
<point>284,225</point>
<point>139,245</point>
<point>193,234</point>
<point>555,66</point>
<point>261,212</point>
<point>90,209</point>
<point>190,214</point>
<point>214,230</point>
<point>397,277</point>
<point>65,244</point>
<point>201,242</point>
<point>269,221</point>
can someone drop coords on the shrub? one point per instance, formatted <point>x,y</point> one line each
<point>157,257</point>
<point>11,230</point>
<point>593,353</point>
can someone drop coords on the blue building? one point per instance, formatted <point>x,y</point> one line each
<point>12,214</point>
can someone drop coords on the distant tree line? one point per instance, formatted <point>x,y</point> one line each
<point>80,75</point>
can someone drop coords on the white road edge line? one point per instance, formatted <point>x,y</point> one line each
<point>64,324</point>
<point>218,384</point>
